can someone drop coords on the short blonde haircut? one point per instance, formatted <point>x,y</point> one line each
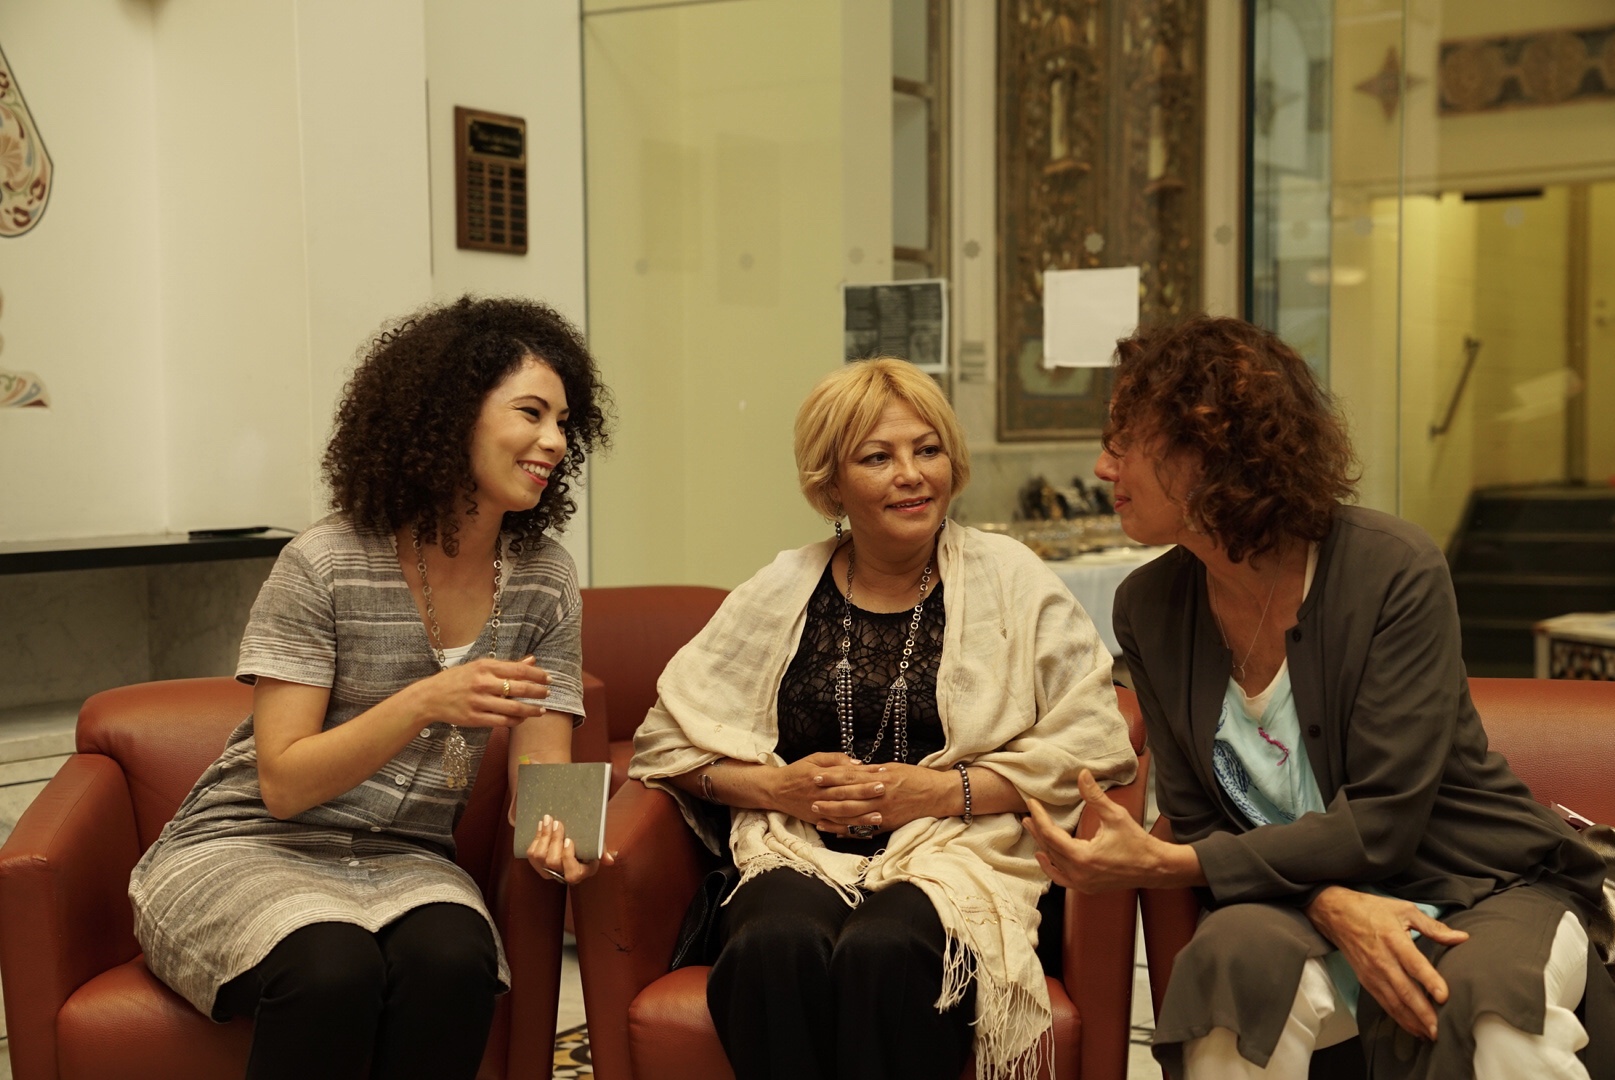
<point>844,408</point>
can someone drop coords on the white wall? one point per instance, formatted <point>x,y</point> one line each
<point>231,265</point>
<point>520,58</point>
<point>242,198</point>
<point>367,236</point>
<point>292,175</point>
<point>717,163</point>
<point>81,296</point>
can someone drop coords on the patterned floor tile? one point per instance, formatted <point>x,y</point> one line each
<point>572,1054</point>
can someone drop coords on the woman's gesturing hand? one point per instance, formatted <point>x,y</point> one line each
<point>555,856</point>
<point>483,693</point>
<point>1372,932</point>
<point>1121,854</point>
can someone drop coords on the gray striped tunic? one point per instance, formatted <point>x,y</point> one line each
<point>225,881</point>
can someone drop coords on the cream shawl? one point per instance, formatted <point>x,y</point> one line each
<point>1023,688</point>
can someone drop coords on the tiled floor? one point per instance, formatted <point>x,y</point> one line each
<point>570,1012</point>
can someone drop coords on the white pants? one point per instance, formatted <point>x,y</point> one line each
<point>1318,1019</point>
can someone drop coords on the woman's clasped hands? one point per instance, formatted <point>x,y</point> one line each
<point>837,793</point>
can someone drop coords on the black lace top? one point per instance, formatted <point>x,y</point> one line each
<point>807,694</point>
<point>807,700</point>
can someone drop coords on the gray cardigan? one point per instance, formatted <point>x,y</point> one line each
<point>1416,804</point>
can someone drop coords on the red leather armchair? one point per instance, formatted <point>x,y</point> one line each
<point>646,1023</point>
<point>629,635</point>
<point>1558,736</point>
<point>80,1004</point>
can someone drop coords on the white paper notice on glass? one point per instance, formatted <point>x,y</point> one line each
<point>1085,312</point>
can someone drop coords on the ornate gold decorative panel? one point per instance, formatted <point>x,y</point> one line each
<point>1550,67</point>
<point>1101,113</point>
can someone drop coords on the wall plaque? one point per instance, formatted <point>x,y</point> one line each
<point>490,181</point>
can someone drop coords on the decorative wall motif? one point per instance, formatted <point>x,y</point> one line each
<point>1101,112</point>
<point>21,389</point>
<point>25,168</point>
<point>1388,84</point>
<point>1550,67</point>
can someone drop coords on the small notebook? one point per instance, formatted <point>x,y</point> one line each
<point>574,794</point>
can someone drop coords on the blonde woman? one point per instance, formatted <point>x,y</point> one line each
<point>874,710</point>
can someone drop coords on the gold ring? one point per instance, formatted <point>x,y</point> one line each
<point>507,688</point>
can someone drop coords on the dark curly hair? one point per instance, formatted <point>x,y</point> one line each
<point>1274,454</point>
<point>400,453</point>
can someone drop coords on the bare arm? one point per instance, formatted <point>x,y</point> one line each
<point>547,739</point>
<point>795,789</point>
<point>301,766</point>
<point>907,792</point>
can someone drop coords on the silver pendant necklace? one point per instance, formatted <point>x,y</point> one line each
<point>1239,667</point>
<point>896,711</point>
<point>456,751</point>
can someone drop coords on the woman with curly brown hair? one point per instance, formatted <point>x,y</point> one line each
<point>1325,774</point>
<point>308,881</point>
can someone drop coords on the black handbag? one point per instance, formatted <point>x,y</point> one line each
<point>698,934</point>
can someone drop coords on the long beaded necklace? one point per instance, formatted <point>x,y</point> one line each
<point>456,751</point>
<point>896,710</point>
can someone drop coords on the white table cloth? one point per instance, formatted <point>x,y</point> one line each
<point>1093,578</point>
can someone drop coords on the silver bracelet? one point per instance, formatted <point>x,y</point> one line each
<point>964,778</point>
<point>707,793</point>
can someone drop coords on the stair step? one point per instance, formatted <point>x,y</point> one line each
<point>1535,580</point>
<point>1539,553</point>
<point>28,732</point>
<point>1590,511</point>
<point>1498,647</point>
<point>1531,596</point>
<point>1497,622</point>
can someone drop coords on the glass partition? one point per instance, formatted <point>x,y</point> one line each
<point>1460,158</point>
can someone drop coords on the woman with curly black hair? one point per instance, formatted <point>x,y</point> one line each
<point>307,881</point>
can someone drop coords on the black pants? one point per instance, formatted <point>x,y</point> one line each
<point>808,987</point>
<point>414,1000</point>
